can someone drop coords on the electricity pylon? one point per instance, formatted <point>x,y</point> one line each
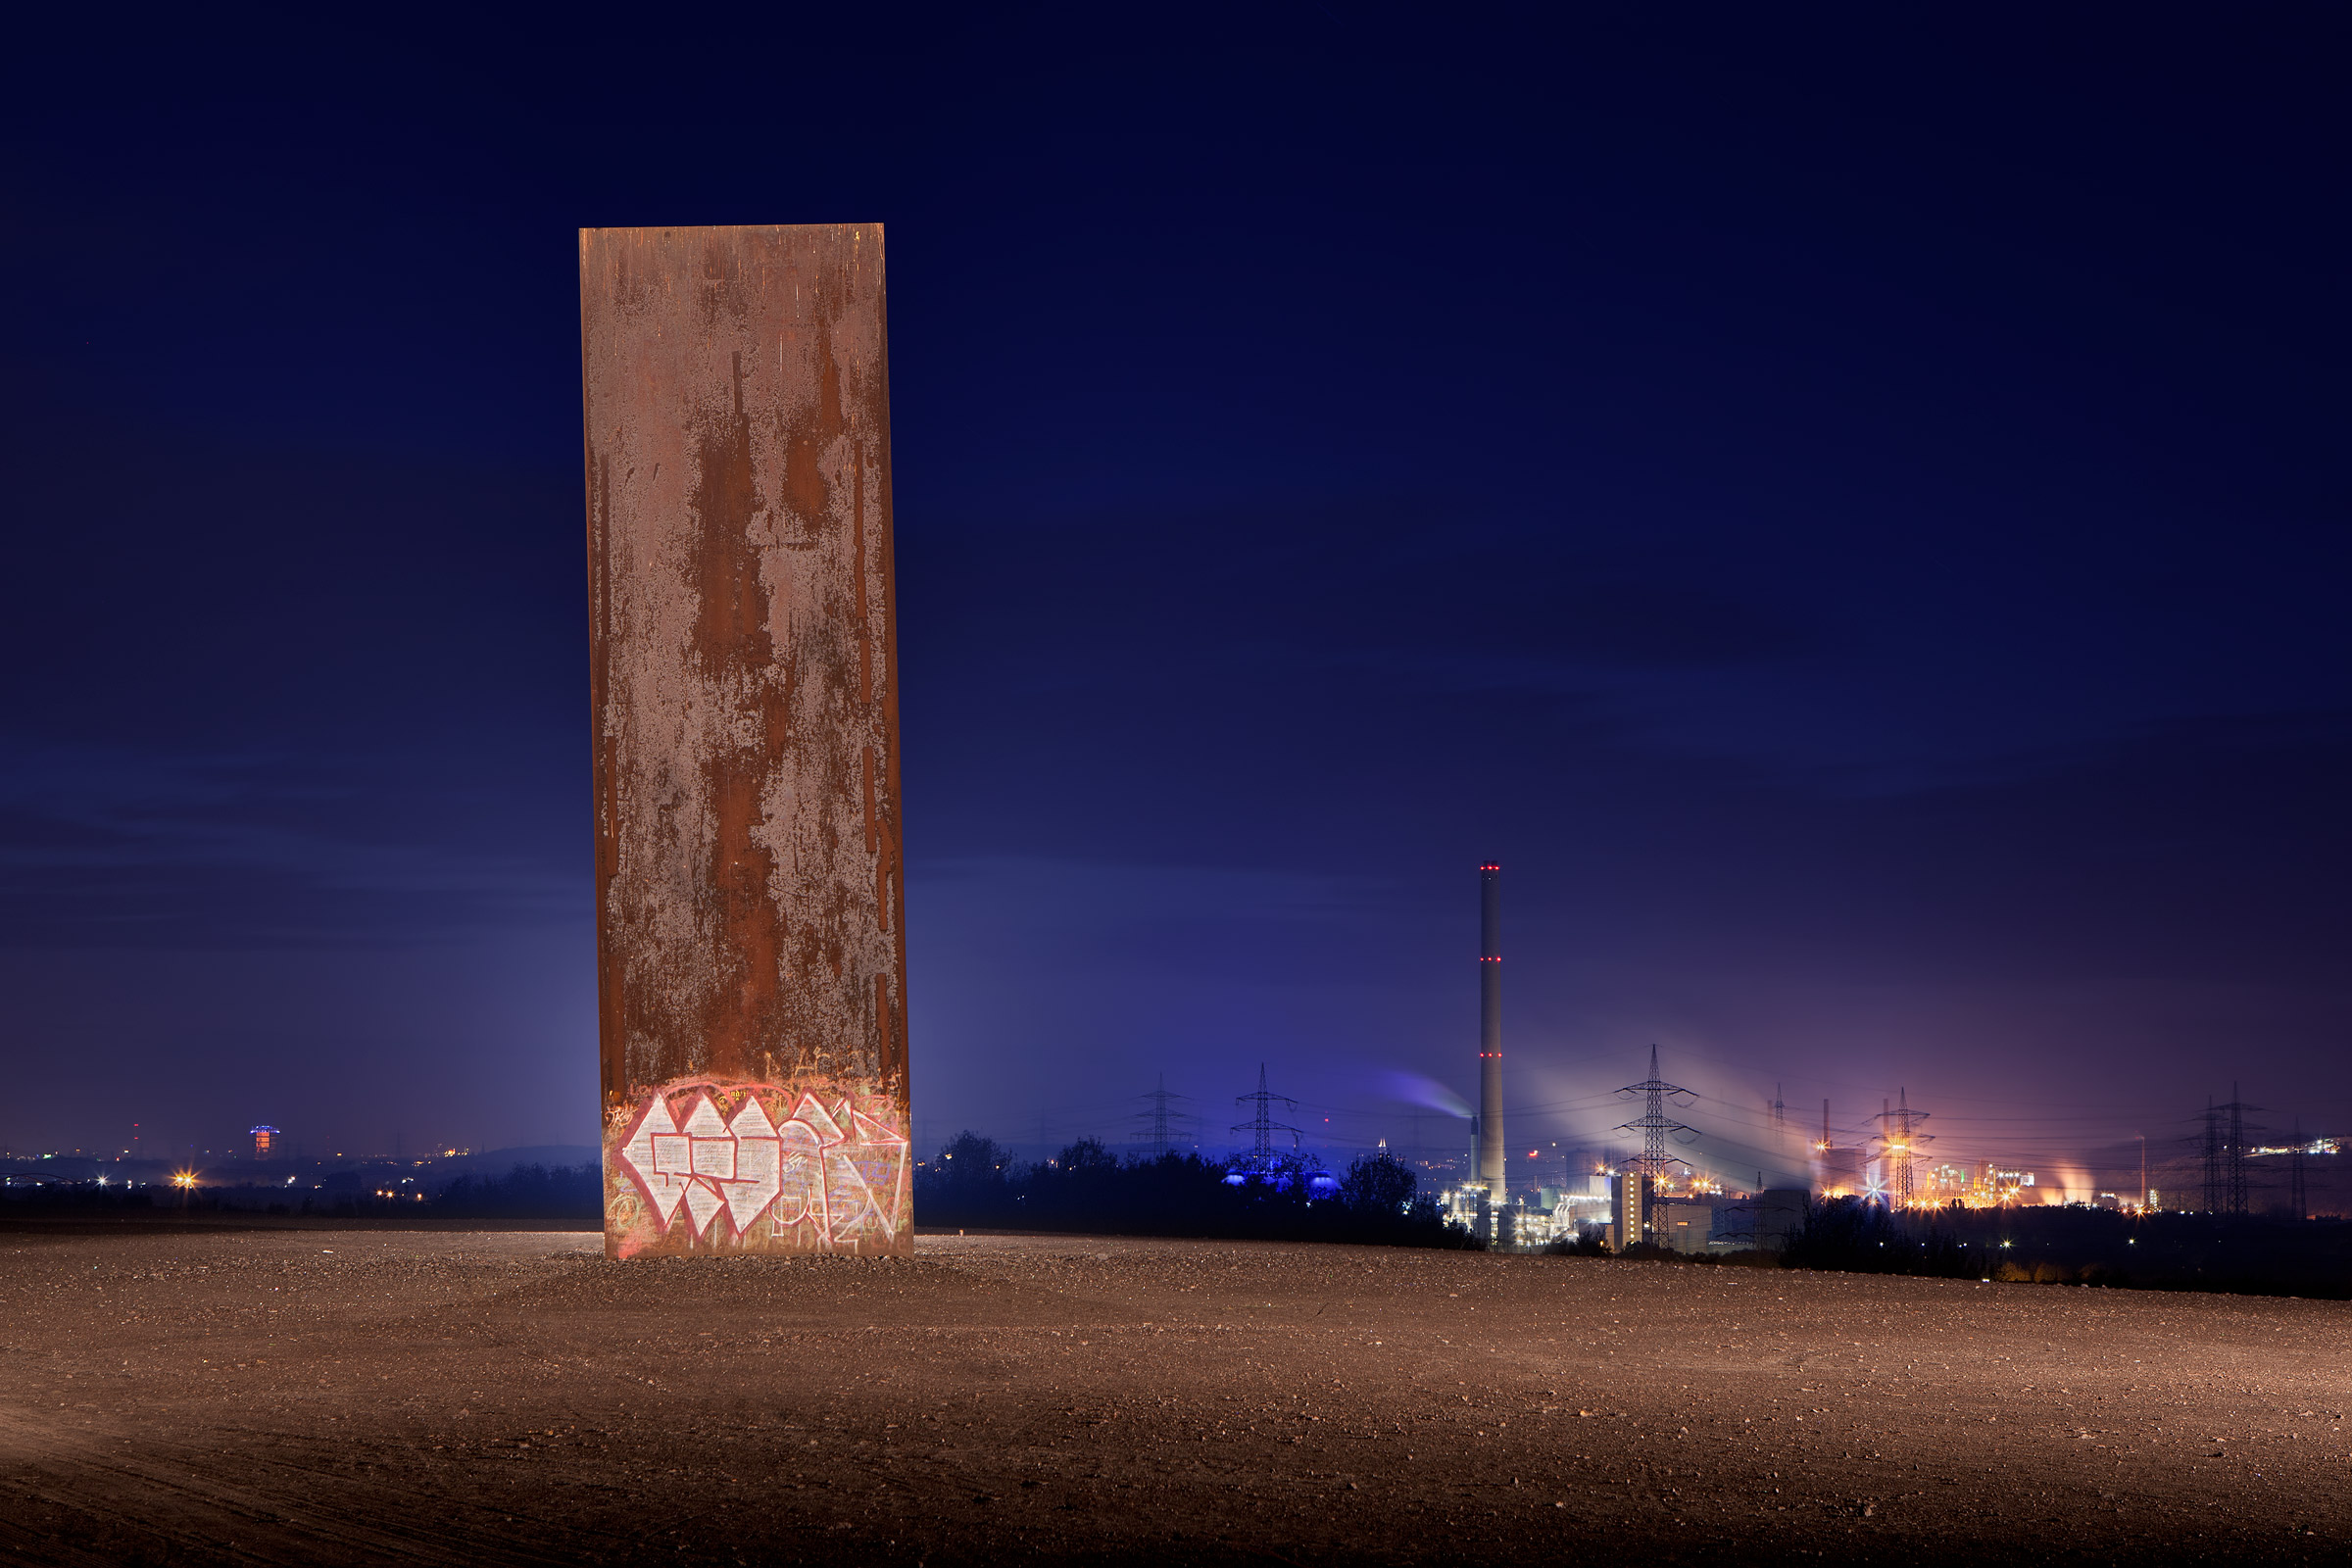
<point>1159,1118</point>
<point>2295,1198</point>
<point>1262,1127</point>
<point>1655,1127</point>
<point>2225,1155</point>
<point>1899,1138</point>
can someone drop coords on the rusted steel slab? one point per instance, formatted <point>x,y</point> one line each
<point>751,938</point>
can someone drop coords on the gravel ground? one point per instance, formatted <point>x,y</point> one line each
<point>307,1396</point>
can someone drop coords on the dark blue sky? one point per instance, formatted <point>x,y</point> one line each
<point>1851,515</point>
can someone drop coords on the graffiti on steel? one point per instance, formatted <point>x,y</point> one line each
<point>757,1167</point>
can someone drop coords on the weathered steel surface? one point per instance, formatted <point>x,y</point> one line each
<point>751,941</point>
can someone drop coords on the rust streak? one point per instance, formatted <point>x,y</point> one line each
<point>732,642</point>
<point>873,837</point>
<point>865,640</point>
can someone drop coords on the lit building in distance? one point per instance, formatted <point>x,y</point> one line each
<point>261,1141</point>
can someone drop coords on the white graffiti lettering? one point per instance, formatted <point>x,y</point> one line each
<point>839,1170</point>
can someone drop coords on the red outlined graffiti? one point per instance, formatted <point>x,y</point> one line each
<point>822,1178</point>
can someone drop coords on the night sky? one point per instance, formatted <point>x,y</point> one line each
<point>1852,517</point>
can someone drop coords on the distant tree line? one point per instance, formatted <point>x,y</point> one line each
<point>527,1192</point>
<point>975,1182</point>
<point>2062,1246</point>
<point>572,1192</point>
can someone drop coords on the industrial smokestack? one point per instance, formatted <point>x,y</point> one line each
<point>1493,1161</point>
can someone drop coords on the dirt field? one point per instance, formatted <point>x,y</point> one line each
<point>317,1396</point>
